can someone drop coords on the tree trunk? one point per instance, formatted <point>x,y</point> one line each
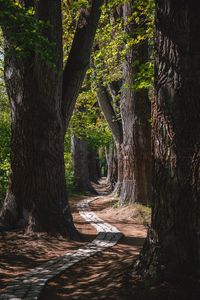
<point>135,112</point>
<point>172,248</point>
<point>80,166</point>
<point>112,166</point>
<point>37,193</point>
<point>93,164</point>
<point>79,57</point>
<point>105,103</point>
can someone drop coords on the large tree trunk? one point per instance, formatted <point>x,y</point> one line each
<point>37,193</point>
<point>41,109</point>
<point>135,112</point>
<point>172,249</point>
<point>80,166</point>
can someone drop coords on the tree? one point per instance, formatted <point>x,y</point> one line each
<point>132,131</point>
<point>41,108</point>
<point>90,132</point>
<point>81,165</point>
<point>135,113</point>
<point>112,165</point>
<point>171,250</point>
<point>105,103</point>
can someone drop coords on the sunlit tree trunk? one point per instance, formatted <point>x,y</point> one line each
<point>135,112</point>
<point>172,248</point>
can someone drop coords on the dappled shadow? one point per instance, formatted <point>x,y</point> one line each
<point>99,277</point>
<point>20,252</point>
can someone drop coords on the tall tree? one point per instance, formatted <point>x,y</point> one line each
<point>40,109</point>
<point>132,133</point>
<point>172,248</point>
<point>135,113</point>
<point>105,103</point>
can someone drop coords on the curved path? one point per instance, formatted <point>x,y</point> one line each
<point>30,286</point>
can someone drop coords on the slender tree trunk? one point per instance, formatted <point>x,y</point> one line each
<point>172,248</point>
<point>105,103</point>
<point>112,166</point>
<point>79,57</point>
<point>135,112</point>
<point>37,193</point>
<point>80,166</point>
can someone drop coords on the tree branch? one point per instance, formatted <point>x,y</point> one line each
<point>104,99</point>
<point>79,58</point>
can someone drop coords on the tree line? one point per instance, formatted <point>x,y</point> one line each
<point>154,156</point>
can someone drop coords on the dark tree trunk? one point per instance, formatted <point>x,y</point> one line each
<point>41,108</point>
<point>112,166</point>
<point>172,248</point>
<point>79,57</point>
<point>80,166</point>
<point>93,165</point>
<point>135,112</point>
<point>37,193</point>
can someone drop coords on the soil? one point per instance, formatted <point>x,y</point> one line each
<point>107,275</point>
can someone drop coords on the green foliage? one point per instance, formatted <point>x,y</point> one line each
<point>24,32</point>
<point>70,14</point>
<point>88,122</point>
<point>113,42</point>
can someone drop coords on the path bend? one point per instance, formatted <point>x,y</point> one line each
<point>30,285</point>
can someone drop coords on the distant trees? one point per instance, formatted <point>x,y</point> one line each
<point>42,98</point>
<point>81,165</point>
<point>171,250</point>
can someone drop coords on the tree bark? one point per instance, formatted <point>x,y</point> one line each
<point>37,194</point>
<point>135,113</point>
<point>172,249</point>
<point>42,101</point>
<point>80,166</point>
<point>79,57</point>
<point>105,103</point>
<point>112,165</point>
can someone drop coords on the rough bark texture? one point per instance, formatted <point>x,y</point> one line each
<point>79,57</point>
<point>80,166</point>
<point>37,193</point>
<point>135,113</point>
<point>172,249</point>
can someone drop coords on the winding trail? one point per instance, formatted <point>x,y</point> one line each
<point>30,285</point>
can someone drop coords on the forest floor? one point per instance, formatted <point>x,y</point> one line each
<point>106,275</point>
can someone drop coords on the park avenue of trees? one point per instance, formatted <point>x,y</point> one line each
<point>92,89</point>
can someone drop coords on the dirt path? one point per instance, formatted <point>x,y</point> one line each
<point>103,276</point>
